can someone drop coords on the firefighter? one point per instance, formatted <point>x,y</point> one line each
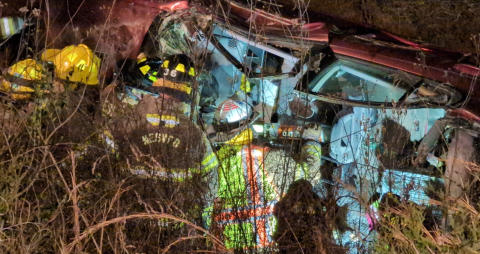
<point>22,78</point>
<point>251,180</point>
<point>25,83</point>
<point>74,63</point>
<point>157,85</point>
<point>159,140</point>
<point>16,35</point>
<point>158,95</point>
<point>169,82</point>
<point>10,26</point>
<point>169,157</point>
<point>172,77</point>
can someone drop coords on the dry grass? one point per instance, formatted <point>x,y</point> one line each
<point>62,195</point>
<point>409,228</point>
<point>63,191</point>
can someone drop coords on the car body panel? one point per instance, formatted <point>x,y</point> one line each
<point>114,29</point>
<point>271,28</point>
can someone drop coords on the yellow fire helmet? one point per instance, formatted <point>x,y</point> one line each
<point>21,77</point>
<point>75,63</point>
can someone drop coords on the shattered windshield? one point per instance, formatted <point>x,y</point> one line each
<point>358,82</point>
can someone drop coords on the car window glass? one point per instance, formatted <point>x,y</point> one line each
<point>251,57</point>
<point>256,59</point>
<point>359,82</point>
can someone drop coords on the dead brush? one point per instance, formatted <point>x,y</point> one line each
<point>62,190</point>
<point>411,229</point>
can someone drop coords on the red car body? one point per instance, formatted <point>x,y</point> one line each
<point>380,48</point>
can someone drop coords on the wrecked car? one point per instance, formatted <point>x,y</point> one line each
<point>387,112</point>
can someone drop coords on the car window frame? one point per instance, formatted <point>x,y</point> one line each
<point>263,46</point>
<point>370,104</point>
<point>340,65</point>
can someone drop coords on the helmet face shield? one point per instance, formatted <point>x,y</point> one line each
<point>234,111</point>
<point>231,114</point>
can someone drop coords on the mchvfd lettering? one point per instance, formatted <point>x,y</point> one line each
<point>160,137</point>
